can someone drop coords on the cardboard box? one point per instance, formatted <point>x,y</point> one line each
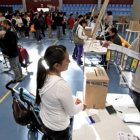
<point>122,20</point>
<point>88,31</point>
<point>95,87</point>
<point>134,25</point>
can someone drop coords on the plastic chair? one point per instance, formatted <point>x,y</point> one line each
<point>124,5</point>
<point>113,5</point>
<point>121,5</point>
<point>117,5</point>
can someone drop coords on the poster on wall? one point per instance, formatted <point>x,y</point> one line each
<point>126,58</point>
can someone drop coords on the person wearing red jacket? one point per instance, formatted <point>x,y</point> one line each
<point>71,22</point>
<point>49,23</point>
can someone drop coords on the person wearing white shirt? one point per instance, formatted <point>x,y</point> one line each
<point>81,35</point>
<point>135,82</point>
<point>54,95</point>
<point>19,25</point>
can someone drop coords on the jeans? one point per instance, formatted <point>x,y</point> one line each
<point>38,36</point>
<point>70,34</point>
<point>80,51</point>
<point>26,31</point>
<point>42,30</point>
<point>136,98</point>
<point>50,31</point>
<point>16,67</point>
<point>59,32</point>
<point>75,52</point>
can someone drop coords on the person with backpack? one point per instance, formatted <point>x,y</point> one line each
<point>80,33</point>
<point>75,51</point>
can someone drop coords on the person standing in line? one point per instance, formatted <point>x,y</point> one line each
<point>19,25</point>
<point>81,35</point>
<point>64,23</point>
<point>54,94</point>
<point>11,50</point>
<point>108,20</point>
<point>2,18</point>
<point>59,24</point>
<point>26,27</point>
<point>37,27</point>
<point>71,22</point>
<point>49,23</point>
<point>42,23</point>
<point>135,82</point>
<point>75,51</point>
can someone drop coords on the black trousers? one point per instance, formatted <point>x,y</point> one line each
<point>136,98</point>
<point>26,29</point>
<point>75,52</point>
<point>42,30</point>
<point>59,135</point>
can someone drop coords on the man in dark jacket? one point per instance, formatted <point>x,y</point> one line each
<point>59,24</point>
<point>11,50</point>
<point>37,26</point>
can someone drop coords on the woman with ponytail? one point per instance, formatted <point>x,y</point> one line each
<point>54,94</point>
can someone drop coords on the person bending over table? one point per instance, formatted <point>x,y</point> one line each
<point>135,83</point>
<point>114,38</point>
<point>54,94</point>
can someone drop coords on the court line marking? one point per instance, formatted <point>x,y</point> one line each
<point>2,99</point>
<point>55,42</point>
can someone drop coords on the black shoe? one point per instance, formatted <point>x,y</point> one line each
<point>101,63</point>
<point>81,63</point>
<point>74,57</point>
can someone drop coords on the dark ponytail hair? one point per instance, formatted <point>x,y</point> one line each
<point>54,54</point>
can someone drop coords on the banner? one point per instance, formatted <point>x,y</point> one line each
<point>126,58</point>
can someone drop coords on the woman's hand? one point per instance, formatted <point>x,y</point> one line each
<point>84,107</point>
<point>78,101</point>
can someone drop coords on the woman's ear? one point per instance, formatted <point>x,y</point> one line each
<point>56,66</point>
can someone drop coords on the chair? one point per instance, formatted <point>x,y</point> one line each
<point>113,5</point>
<point>117,5</point>
<point>124,5</point>
<point>120,5</point>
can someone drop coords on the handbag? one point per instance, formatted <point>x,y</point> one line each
<point>21,114</point>
<point>77,40</point>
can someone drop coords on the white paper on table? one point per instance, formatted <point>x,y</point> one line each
<point>131,118</point>
<point>121,101</point>
<point>126,136</point>
<point>135,129</point>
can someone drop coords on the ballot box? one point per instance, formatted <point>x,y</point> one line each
<point>95,87</point>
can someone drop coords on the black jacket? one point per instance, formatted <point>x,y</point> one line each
<point>116,40</point>
<point>59,21</point>
<point>9,44</point>
<point>36,24</point>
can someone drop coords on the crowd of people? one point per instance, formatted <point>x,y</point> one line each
<point>49,81</point>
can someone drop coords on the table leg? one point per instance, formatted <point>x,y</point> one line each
<point>117,27</point>
<point>123,28</point>
<point>126,35</point>
<point>84,61</point>
<point>129,37</point>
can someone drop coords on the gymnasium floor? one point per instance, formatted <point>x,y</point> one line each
<point>74,76</point>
